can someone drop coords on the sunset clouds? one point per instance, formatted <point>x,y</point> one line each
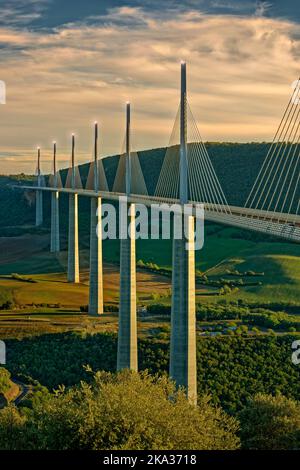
<point>60,80</point>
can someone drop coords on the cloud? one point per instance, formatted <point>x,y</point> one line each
<point>21,12</point>
<point>24,160</point>
<point>232,5</point>
<point>63,80</point>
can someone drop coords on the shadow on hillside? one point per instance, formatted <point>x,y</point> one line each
<point>55,359</point>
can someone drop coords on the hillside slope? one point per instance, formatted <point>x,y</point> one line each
<point>236,166</point>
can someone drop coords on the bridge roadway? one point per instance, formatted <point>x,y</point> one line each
<point>282,225</point>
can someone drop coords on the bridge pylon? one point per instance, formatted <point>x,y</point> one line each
<point>39,194</point>
<point>54,237</point>
<point>183,368</point>
<point>127,333</point>
<point>73,248</point>
<point>96,264</point>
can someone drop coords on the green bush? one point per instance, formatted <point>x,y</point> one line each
<point>18,277</point>
<point>13,429</point>
<point>107,308</point>
<point>159,309</point>
<point>4,380</point>
<point>8,305</point>
<point>126,411</point>
<point>84,308</point>
<point>270,423</point>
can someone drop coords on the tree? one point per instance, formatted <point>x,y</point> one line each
<point>5,383</point>
<point>270,423</point>
<point>126,411</point>
<point>12,429</point>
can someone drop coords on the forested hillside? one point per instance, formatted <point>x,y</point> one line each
<point>231,370</point>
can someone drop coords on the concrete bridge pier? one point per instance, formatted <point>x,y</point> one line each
<point>39,208</point>
<point>127,336</point>
<point>54,241</point>
<point>96,270</point>
<point>183,368</point>
<point>39,194</point>
<point>73,250</point>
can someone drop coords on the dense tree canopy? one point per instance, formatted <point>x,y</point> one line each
<point>230,369</point>
<point>271,422</point>
<point>118,411</point>
<point>4,380</point>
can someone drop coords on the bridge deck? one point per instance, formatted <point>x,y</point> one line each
<point>278,224</point>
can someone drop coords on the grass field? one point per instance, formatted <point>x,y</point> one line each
<point>281,264</point>
<point>29,255</point>
<point>54,289</point>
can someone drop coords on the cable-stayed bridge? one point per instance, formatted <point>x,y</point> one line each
<point>272,206</point>
<point>187,176</point>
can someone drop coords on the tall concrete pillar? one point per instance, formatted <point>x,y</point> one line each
<point>183,368</point>
<point>183,319</point>
<point>127,334</point>
<point>39,208</point>
<point>96,272</point>
<point>54,240</point>
<point>73,248</point>
<point>39,194</point>
<point>96,264</point>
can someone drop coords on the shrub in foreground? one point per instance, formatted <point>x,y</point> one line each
<point>121,411</point>
<point>270,423</point>
<point>4,380</point>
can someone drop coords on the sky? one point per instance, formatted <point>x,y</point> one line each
<point>68,63</point>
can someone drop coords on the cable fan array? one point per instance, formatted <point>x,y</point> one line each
<point>138,185</point>
<point>101,178</point>
<point>204,186</point>
<point>276,189</point>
